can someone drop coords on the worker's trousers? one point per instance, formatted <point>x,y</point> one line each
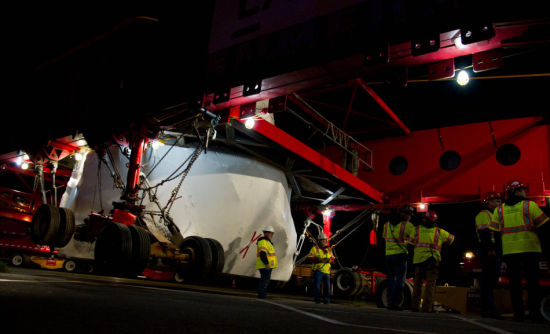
<point>489,278</point>
<point>319,278</point>
<point>527,264</point>
<point>265,277</point>
<point>428,270</point>
<point>396,270</point>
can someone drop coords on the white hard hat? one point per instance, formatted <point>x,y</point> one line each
<point>322,236</point>
<point>268,228</point>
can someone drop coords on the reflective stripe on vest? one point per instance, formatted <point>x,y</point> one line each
<point>518,228</point>
<point>320,266</point>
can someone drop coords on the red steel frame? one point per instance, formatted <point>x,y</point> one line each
<point>294,145</point>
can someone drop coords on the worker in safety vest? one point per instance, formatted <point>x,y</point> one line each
<point>266,260</point>
<point>428,240</point>
<point>398,232</point>
<point>321,257</point>
<point>519,220</point>
<point>489,252</point>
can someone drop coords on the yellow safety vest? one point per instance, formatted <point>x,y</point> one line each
<point>397,236</point>
<point>320,254</point>
<point>264,245</point>
<point>483,222</point>
<point>428,243</point>
<point>517,224</point>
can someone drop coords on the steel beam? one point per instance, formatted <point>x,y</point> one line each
<point>382,104</point>
<point>294,145</point>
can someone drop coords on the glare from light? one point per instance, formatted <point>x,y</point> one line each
<point>458,42</point>
<point>249,124</point>
<point>422,206</point>
<point>463,78</point>
<point>327,212</point>
<point>469,255</point>
<point>81,142</point>
<point>19,161</point>
<point>26,156</point>
<point>156,144</point>
<point>78,156</point>
<point>24,165</point>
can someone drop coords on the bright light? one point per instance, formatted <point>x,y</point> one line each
<point>463,78</point>
<point>78,156</point>
<point>422,206</point>
<point>19,161</point>
<point>249,124</point>
<point>26,156</point>
<point>156,144</point>
<point>458,42</point>
<point>469,255</point>
<point>327,212</point>
<point>24,165</point>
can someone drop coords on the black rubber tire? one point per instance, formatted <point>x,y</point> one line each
<point>113,249</point>
<point>17,259</point>
<point>545,306</point>
<point>141,248</point>
<point>67,228</point>
<point>70,266</point>
<point>201,264</point>
<point>46,224</point>
<point>347,283</point>
<point>382,295</point>
<point>218,259</point>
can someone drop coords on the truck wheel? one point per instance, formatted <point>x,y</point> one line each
<point>178,278</point>
<point>382,295</point>
<point>66,228</point>
<point>17,260</point>
<point>141,248</point>
<point>201,264</point>
<point>347,283</point>
<point>545,307</point>
<point>46,224</point>
<point>218,258</point>
<point>69,266</point>
<point>113,249</point>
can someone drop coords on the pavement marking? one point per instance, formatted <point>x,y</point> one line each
<point>491,328</point>
<point>36,281</point>
<point>337,322</point>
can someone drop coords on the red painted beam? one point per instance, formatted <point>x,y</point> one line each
<point>382,104</point>
<point>294,145</point>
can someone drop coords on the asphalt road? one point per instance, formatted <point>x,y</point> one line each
<point>55,302</point>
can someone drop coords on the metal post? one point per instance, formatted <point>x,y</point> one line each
<point>137,145</point>
<point>40,169</point>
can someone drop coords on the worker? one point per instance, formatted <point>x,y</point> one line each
<point>321,256</point>
<point>428,240</point>
<point>489,252</point>
<point>519,220</point>
<point>266,260</point>
<point>398,230</point>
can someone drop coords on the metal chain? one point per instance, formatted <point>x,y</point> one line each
<point>176,190</point>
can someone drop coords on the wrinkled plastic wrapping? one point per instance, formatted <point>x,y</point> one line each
<point>225,197</point>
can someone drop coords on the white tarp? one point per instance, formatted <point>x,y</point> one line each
<point>225,197</point>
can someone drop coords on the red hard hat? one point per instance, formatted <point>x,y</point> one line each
<point>515,184</point>
<point>431,215</point>
<point>490,195</point>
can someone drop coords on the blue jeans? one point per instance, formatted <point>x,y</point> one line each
<point>324,278</point>
<point>265,277</point>
<point>396,269</point>
<point>489,279</point>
